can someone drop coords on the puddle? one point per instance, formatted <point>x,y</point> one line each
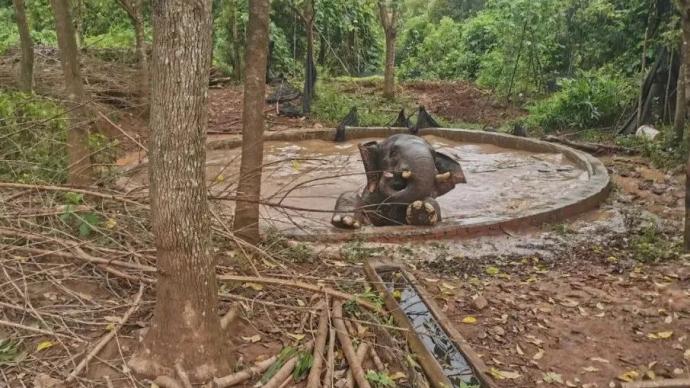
<point>311,174</point>
<point>434,338</point>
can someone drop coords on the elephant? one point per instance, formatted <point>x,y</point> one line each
<point>404,176</point>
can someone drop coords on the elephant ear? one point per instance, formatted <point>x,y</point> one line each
<point>449,173</point>
<point>370,158</point>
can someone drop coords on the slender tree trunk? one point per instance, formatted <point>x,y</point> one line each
<point>685,18</point>
<point>79,173</point>
<point>389,72</point>
<point>679,115</point>
<point>309,67</point>
<point>388,15</point>
<point>185,327</point>
<point>135,12</point>
<point>247,212</point>
<point>26,66</point>
<point>233,29</point>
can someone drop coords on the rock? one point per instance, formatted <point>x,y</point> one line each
<point>647,132</point>
<point>479,302</point>
<point>45,381</point>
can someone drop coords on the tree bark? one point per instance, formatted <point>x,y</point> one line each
<point>26,66</point>
<point>685,20</point>
<point>185,328</point>
<point>309,67</point>
<point>388,15</point>
<point>235,57</point>
<point>679,115</point>
<point>246,223</point>
<point>79,170</point>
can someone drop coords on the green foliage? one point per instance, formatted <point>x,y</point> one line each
<point>32,139</point>
<point>356,252</point>
<point>592,99</point>
<point>292,251</point>
<point>380,379</point>
<point>304,362</point>
<point>83,222</point>
<point>657,151</point>
<point>651,245</point>
<point>10,351</point>
<point>285,354</point>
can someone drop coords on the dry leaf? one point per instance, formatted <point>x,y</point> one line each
<point>503,374</point>
<point>297,337</point>
<point>398,376</point>
<point>590,369</point>
<point>686,355</point>
<point>538,355</point>
<point>253,286</point>
<point>660,335</point>
<point>569,303</point>
<point>491,270</point>
<point>44,345</point>
<point>469,320</point>
<point>628,376</point>
<point>301,303</point>
<point>599,359</point>
<point>519,351</point>
<point>252,339</point>
<point>552,377</point>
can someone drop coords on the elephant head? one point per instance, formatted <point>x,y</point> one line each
<point>405,168</point>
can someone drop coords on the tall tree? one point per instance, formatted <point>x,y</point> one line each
<point>679,114</point>
<point>26,66</point>
<point>135,12</point>
<point>309,67</point>
<point>185,327</point>
<point>249,189</point>
<point>78,136</point>
<point>685,21</point>
<point>235,45</point>
<point>388,12</point>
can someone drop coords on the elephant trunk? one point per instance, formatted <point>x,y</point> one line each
<point>419,183</point>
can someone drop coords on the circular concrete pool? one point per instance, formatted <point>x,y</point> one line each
<point>512,182</point>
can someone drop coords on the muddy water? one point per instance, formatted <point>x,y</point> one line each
<point>311,174</point>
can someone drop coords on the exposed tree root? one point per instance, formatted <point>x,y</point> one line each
<point>346,345</point>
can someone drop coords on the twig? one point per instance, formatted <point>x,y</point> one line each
<point>362,352</point>
<point>236,378</point>
<point>311,287</point>
<point>36,330</point>
<point>322,332</point>
<point>104,341</point>
<point>130,137</point>
<point>377,360</point>
<point>66,189</point>
<point>346,345</point>
<point>182,375</point>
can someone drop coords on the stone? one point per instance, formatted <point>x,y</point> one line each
<point>647,132</point>
<point>479,302</point>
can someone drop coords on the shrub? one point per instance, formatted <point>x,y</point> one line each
<point>32,140</point>
<point>592,99</point>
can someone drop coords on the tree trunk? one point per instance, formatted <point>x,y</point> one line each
<point>389,72</point>
<point>79,173</point>
<point>185,327</point>
<point>135,12</point>
<point>235,57</point>
<point>247,212</point>
<point>26,66</point>
<point>685,18</point>
<point>388,15</point>
<point>679,116</point>
<point>309,67</point>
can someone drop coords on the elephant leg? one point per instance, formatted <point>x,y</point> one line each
<point>344,215</point>
<point>425,212</point>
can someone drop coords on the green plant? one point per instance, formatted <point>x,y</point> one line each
<point>10,351</point>
<point>380,379</point>
<point>84,221</point>
<point>304,362</point>
<point>278,245</point>
<point>356,252</point>
<point>651,245</point>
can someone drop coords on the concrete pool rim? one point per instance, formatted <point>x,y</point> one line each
<point>587,197</point>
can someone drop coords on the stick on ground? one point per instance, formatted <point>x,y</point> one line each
<point>346,344</point>
<point>362,352</point>
<point>104,341</point>
<point>322,332</point>
<point>330,360</point>
<point>244,375</point>
<point>277,380</point>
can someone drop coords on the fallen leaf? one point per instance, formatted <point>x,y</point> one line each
<point>534,340</point>
<point>628,376</point>
<point>569,303</point>
<point>668,319</point>
<point>397,294</point>
<point>398,376</point>
<point>296,165</point>
<point>110,223</point>
<point>253,286</point>
<point>297,337</point>
<point>220,178</point>
<point>44,345</point>
<point>599,359</point>
<point>552,377</point>
<point>301,303</point>
<point>469,320</point>
<point>491,270</point>
<point>583,312</point>
<point>538,355</point>
<point>660,335</point>
<point>569,383</point>
<point>590,369</point>
<point>503,374</point>
<point>252,339</point>
<point>519,350</point>
<point>600,306</point>
<point>447,286</point>
<point>686,355</point>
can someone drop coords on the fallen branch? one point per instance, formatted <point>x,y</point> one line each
<point>297,284</point>
<point>130,137</point>
<point>592,148</point>
<point>670,383</point>
<point>66,189</point>
<point>362,352</point>
<point>230,316</point>
<point>104,341</point>
<point>322,332</point>
<point>377,360</point>
<point>244,375</point>
<point>36,330</point>
<point>330,360</point>
<point>183,375</point>
<point>346,345</point>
